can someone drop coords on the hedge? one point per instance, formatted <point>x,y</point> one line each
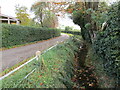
<point>17,34</point>
<point>107,44</point>
<point>72,32</point>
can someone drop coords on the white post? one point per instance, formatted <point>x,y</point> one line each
<point>17,22</point>
<point>38,53</point>
<point>8,20</point>
<point>0,9</point>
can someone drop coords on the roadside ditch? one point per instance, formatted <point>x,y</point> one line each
<point>83,75</point>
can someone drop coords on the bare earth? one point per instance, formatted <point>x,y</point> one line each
<point>13,56</point>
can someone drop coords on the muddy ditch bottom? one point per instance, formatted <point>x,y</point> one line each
<point>83,75</point>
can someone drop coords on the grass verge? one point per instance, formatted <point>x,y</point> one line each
<point>69,34</point>
<point>54,69</point>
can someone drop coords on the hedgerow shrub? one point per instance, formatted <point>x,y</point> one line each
<point>16,34</point>
<point>107,44</point>
<point>72,32</point>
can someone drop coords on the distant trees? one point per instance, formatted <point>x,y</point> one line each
<point>68,28</point>
<point>47,12</point>
<point>21,13</point>
<point>50,20</point>
<point>39,10</point>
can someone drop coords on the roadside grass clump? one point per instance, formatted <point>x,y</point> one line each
<point>54,69</point>
<point>16,34</point>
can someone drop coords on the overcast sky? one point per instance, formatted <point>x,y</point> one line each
<point>8,8</point>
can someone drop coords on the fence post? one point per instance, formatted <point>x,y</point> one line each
<point>38,53</point>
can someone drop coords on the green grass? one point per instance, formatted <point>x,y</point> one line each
<point>68,34</point>
<point>54,69</point>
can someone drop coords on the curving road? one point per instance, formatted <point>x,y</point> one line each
<point>13,56</point>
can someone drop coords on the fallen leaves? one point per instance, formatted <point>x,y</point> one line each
<point>40,76</point>
<point>91,84</point>
<point>74,79</point>
<point>85,78</point>
<point>41,84</point>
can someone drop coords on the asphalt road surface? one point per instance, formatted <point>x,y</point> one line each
<point>13,56</point>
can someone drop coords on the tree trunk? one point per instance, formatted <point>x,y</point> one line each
<point>94,6</point>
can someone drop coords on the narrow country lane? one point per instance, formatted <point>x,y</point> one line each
<point>13,56</point>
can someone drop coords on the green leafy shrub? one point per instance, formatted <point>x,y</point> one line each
<point>107,44</point>
<point>72,32</point>
<point>16,34</point>
<point>68,28</point>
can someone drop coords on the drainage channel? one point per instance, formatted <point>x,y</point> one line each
<point>83,75</point>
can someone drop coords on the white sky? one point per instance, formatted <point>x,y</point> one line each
<point>8,8</point>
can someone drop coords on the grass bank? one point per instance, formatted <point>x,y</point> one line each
<point>53,70</point>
